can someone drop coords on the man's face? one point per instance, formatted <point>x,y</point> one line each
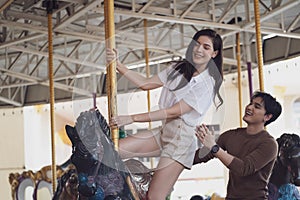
<point>255,112</point>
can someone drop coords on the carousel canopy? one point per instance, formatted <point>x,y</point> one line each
<point>79,41</point>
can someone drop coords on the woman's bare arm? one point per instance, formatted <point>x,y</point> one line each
<point>174,111</point>
<point>138,79</point>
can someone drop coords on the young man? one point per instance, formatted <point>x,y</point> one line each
<point>249,153</point>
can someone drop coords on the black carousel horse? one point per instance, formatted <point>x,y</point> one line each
<point>285,175</point>
<point>101,173</point>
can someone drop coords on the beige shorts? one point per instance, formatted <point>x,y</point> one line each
<point>178,142</point>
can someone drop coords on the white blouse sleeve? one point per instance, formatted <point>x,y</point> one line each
<point>200,96</point>
<point>163,76</point>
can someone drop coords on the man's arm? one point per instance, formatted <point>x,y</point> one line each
<point>224,157</point>
<point>207,138</point>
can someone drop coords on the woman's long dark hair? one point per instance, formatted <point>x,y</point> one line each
<point>215,65</point>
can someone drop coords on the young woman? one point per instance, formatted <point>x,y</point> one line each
<point>189,88</point>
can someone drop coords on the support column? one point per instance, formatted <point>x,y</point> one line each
<point>111,80</point>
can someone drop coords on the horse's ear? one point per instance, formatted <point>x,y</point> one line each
<point>71,132</point>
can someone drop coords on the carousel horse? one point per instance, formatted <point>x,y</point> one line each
<point>101,173</point>
<point>285,175</point>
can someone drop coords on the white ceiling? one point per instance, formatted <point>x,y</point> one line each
<point>78,26</point>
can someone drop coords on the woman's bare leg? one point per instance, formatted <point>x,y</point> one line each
<point>141,144</point>
<point>164,178</point>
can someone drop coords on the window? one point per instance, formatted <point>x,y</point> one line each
<point>296,111</point>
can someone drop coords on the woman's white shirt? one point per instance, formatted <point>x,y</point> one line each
<point>198,93</point>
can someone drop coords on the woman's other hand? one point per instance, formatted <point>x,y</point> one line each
<point>111,55</point>
<point>121,120</point>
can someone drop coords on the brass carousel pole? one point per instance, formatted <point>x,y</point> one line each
<point>147,74</point>
<point>147,63</point>
<point>238,58</point>
<point>111,80</point>
<point>5,5</point>
<point>51,5</point>
<point>259,45</point>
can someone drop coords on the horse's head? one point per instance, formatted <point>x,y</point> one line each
<point>101,172</point>
<point>87,150</point>
<point>289,155</point>
<point>85,155</point>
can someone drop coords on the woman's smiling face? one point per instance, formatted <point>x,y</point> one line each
<point>203,51</point>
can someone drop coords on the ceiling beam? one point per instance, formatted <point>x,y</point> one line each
<point>79,13</point>
<point>58,57</point>
<point>21,40</point>
<point>276,11</point>
<point>36,80</point>
<point>146,6</point>
<point>226,13</point>
<point>10,101</point>
<point>27,16</point>
<point>234,27</point>
<point>171,19</point>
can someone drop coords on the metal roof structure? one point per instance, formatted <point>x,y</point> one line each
<point>79,41</point>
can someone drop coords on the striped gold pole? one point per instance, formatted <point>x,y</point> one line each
<point>51,90</point>
<point>147,75</point>
<point>5,5</point>
<point>111,79</point>
<point>238,59</point>
<point>259,45</point>
<point>107,68</point>
<point>147,64</point>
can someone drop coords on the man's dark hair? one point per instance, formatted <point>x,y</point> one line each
<point>272,106</point>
